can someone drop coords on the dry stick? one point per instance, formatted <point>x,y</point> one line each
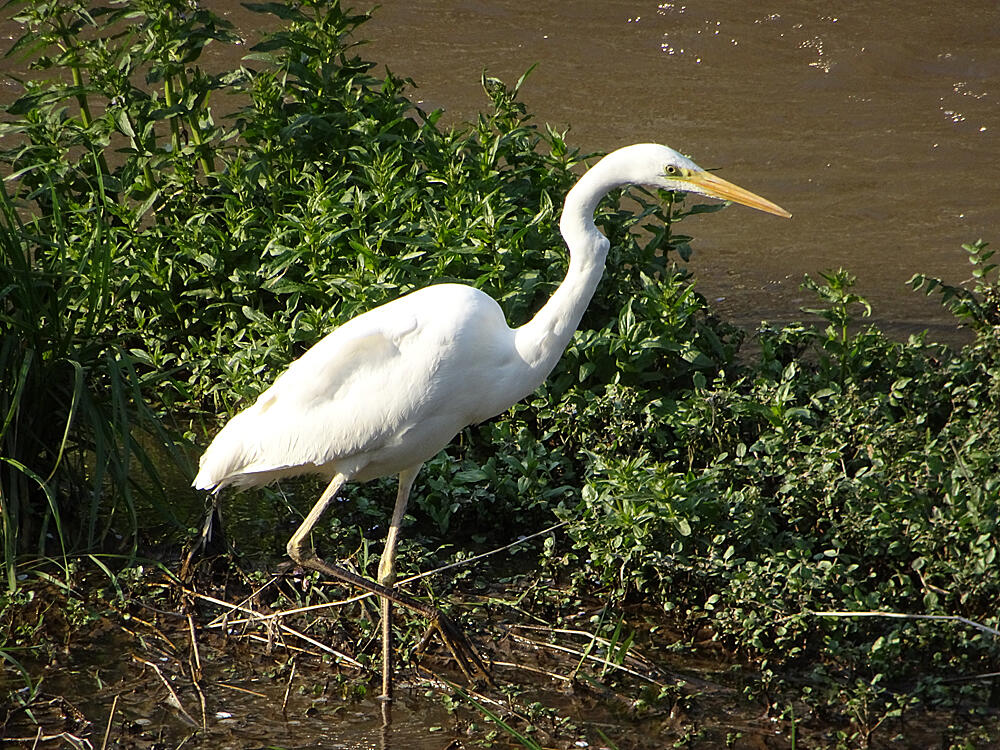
<point>246,600</point>
<point>476,558</point>
<point>971,677</point>
<point>403,582</point>
<point>196,667</point>
<point>591,657</point>
<point>285,628</point>
<point>151,626</point>
<point>255,617</point>
<point>67,737</point>
<point>239,689</point>
<point>536,670</point>
<point>905,616</point>
<point>288,689</point>
<point>196,672</point>
<point>107,731</point>
<point>634,656</point>
<point>175,701</point>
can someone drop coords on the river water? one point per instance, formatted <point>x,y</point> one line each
<point>877,124</point>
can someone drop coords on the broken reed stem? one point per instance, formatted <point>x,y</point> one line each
<point>633,655</point>
<point>972,677</point>
<point>288,689</point>
<point>536,670</point>
<point>196,671</point>
<point>70,739</point>
<point>147,624</point>
<point>239,689</point>
<point>195,655</point>
<point>589,657</point>
<point>245,602</point>
<point>111,718</point>
<point>254,617</point>
<point>476,558</point>
<point>175,700</point>
<point>904,616</point>
<point>360,597</point>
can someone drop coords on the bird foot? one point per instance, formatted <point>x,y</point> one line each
<point>457,643</point>
<point>210,542</point>
<point>460,647</point>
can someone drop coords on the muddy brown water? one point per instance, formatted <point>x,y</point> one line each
<point>877,124</point>
<point>132,676</point>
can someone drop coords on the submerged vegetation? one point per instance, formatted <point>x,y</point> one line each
<point>786,503</point>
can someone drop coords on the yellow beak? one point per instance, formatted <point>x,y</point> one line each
<point>727,191</point>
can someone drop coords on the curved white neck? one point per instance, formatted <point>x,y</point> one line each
<point>541,340</point>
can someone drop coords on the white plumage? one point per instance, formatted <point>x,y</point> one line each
<point>375,396</point>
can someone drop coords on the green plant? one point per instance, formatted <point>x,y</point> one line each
<point>71,396</point>
<point>978,307</point>
<point>836,471</point>
<point>159,266</point>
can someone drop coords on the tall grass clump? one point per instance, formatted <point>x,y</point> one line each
<point>73,392</point>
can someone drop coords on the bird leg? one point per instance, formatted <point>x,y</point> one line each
<point>455,640</point>
<point>211,537</point>
<point>387,575</point>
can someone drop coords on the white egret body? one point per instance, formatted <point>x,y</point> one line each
<point>390,388</point>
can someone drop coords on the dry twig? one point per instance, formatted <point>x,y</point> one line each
<point>196,671</point>
<point>288,689</point>
<point>589,657</point>
<point>284,628</point>
<point>367,594</point>
<point>111,718</point>
<point>905,616</point>
<point>174,700</point>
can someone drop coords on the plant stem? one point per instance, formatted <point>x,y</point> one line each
<point>204,159</point>
<point>81,97</point>
<point>168,97</point>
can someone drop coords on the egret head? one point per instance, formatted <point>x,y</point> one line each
<point>674,171</point>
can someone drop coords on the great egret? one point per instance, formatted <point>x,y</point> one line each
<point>390,388</point>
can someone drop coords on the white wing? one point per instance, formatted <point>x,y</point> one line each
<point>383,392</point>
<point>310,415</point>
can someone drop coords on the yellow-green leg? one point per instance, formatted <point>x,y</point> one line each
<point>387,576</point>
<point>454,639</point>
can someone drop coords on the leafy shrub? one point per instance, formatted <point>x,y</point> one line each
<point>833,472</point>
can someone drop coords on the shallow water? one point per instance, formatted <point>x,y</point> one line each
<point>114,672</point>
<point>876,124</point>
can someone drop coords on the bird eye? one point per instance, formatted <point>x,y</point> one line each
<point>670,169</point>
